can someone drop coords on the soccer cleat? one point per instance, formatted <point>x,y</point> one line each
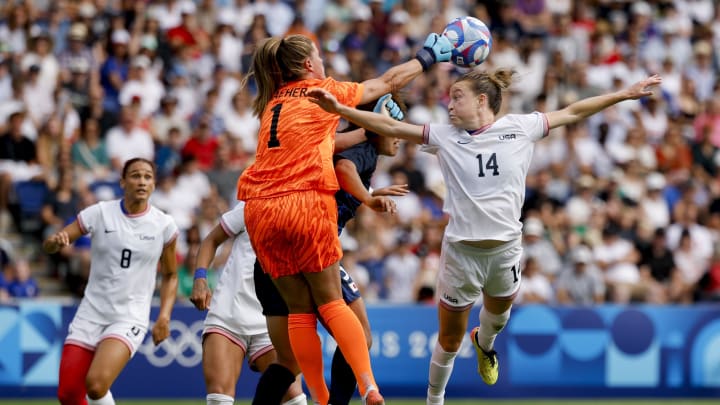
<point>373,397</point>
<point>487,361</point>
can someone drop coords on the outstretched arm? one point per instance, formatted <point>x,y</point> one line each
<point>437,48</point>
<point>589,106</point>
<point>378,123</point>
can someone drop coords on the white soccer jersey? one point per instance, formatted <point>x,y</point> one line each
<point>485,174</point>
<point>234,304</point>
<point>125,253</point>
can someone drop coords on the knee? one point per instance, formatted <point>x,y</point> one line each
<point>96,388</point>
<point>286,359</point>
<point>450,342</point>
<point>70,394</point>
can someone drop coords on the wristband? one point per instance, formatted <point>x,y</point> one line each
<point>426,58</point>
<point>200,272</point>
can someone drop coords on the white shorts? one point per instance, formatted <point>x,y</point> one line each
<point>254,346</point>
<point>467,272</point>
<point>89,334</point>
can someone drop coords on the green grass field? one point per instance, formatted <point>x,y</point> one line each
<point>422,402</point>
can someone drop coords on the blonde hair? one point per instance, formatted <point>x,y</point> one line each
<point>489,83</point>
<point>275,62</point>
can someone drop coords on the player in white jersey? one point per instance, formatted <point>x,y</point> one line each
<point>235,326</point>
<point>129,238</point>
<point>484,161</point>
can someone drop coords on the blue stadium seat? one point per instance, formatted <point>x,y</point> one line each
<point>30,195</point>
<point>99,187</point>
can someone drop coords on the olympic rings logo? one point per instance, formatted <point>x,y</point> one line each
<point>184,345</point>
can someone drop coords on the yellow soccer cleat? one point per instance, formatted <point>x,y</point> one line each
<point>487,361</point>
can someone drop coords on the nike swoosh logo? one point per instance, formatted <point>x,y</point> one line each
<point>464,142</point>
<point>107,231</point>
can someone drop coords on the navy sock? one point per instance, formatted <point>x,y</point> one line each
<point>342,382</point>
<point>273,385</point>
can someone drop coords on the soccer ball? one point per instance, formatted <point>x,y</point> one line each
<point>471,40</point>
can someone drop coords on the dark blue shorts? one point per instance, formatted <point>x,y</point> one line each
<point>274,305</point>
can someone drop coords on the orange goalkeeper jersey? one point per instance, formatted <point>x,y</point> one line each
<point>296,141</point>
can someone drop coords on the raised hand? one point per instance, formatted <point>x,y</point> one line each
<point>397,190</point>
<point>643,87</point>
<point>324,99</point>
<point>388,107</point>
<point>437,48</point>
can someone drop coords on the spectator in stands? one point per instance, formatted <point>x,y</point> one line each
<point>618,258</point>
<point>536,287</point>
<point>78,54</point>
<point>691,267</point>
<point>581,283</point>
<point>18,158</point>
<point>142,84</point>
<point>21,283</point>
<point>657,266</point>
<point>536,246</point>
<point>224,173</point>
<point>114,71</point>
<point>128,140</point>
<point>186,270</point>
<point>240,121</point>
<point>654,208</point>
<point>202,145</point>
<point>49,146</point>
<point>89,153</point>
<point>168,117</point>
<point>400,271</point>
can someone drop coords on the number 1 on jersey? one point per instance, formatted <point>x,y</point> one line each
<point>274,142</point>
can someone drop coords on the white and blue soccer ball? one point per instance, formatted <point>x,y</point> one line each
<point>471,40</point>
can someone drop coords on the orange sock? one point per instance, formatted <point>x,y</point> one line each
<point>348,334</point>
<point>307,349</point>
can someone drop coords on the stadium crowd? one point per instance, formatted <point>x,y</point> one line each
<point>623,207</point>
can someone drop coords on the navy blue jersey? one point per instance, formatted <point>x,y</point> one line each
<point>365,158</point>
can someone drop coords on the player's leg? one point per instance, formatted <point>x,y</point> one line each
<point>277,380</point>
<point>111,356</point>
<point>222,362</point>
<point>294,394</point>
<point>494,315</point>
<point>452,324</point>
<point>501,287</point>
<point>74,365</point>
<point>345,328</point>
<point>302,333</point>
<point>459,286</point>
<point>342,381</point>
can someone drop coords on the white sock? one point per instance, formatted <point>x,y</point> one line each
<point>219,399</point>
<point>490,326</point>
<point>106,400</point>
<point>441,367</point>
<point>298,400</point>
